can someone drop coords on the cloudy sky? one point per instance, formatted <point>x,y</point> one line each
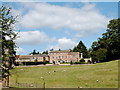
<point>58,25</point>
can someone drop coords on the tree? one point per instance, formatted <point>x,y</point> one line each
<point>36,61</point>
<point>45,52</point>
<point>51,49</point>
<point>99,55</point>
<point>34,52</point>
<point>59,49</point>
<point>81,48</point>
<point>107,48</point>
<point>7,39</point>
<point>112,37</point>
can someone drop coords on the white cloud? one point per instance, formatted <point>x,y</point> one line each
<point>20,51</point>
<point>86,18</point>
<point>67,32</point>
<point>64,43</point>
<point>31,38</point>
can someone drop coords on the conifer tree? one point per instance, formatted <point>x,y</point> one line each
<point>81,48</point>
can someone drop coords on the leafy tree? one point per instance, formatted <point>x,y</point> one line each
<point>108,47</point>
<point>45,52</point>
<point>51,49</point>
<point>81,48</point>
<point>59,49</point>
<point>34,52</point>
<point>44,61</point>
<point>36,61</point>
<point>7,39</point>
<point>99,55</point>
<point>112,37</point>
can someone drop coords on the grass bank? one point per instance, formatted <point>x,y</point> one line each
<point>101,75</point>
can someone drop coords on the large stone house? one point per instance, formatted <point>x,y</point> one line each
<point>60,56</point>
<point>55,57</point>
<point>32,58</point>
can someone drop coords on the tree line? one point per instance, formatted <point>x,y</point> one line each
<point>37,52</point>
<point>107,47</point>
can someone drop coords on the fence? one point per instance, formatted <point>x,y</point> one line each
<point>27,85</point>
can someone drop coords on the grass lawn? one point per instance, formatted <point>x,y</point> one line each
<point>102,75</point>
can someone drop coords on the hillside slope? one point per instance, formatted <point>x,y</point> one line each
<point>102,75</point>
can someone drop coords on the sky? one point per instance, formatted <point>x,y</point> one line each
<point>60,25</point>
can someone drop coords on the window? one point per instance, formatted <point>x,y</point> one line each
<point>59,57</point>
<point>44,58</point>
<point>66,60</point>
<point>73,60</point>
<point>61,61</point>
<point>66,56</point>
<point>53,57</point>
<point>74,55</point>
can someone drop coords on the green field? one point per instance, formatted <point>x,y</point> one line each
<point>101,75</point>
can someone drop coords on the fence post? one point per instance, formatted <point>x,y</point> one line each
<point>44,85</point>
<point>18,84</point>
<point>35,85</point>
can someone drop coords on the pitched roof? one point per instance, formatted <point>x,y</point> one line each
<point>39,55</point>
<point>73,53</point>
<point>24,56</point>
<point>60,51</point>
<point>35,55</point>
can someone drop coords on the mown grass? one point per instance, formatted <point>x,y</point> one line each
<point>101,75</point>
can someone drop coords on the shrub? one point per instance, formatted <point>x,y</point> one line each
<point>36,61</point>
<point>44,62</point>
<point>89,62</point>
<point>82,60</point>
<point>71,62</point>
<point>47,62</point>
<point>80,63</point>
<point>77,63</point>
<point>65,63</point>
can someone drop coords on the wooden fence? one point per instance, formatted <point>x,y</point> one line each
<point>27,85</point>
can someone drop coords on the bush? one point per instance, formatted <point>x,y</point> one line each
<point>80,63</point>
<point>36,61</point>
<point>77,63</point>
<point>71,62</point>
<point>44,62</point>
<point>65,63</point>
<point>47,62</point>
<point>82,60</point>
<point>89,62</point>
